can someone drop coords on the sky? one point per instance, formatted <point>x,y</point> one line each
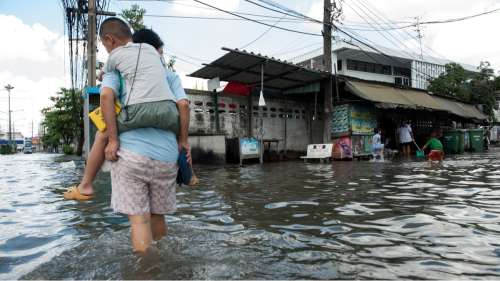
<point>33,51</point>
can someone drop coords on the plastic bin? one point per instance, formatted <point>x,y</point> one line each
<point>466,140</point>
<point>476,137</point>
<point>451,141</point>
<point>461,141</point>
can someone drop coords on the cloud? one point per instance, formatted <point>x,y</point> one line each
<point>193,8</point>
<point>467,41</point>
<point>23,42</point>
<point>33,61</point>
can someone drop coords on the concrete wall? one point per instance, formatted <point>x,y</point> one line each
<point>287,121</point>
<point>208,149</point>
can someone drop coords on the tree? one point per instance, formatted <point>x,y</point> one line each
<point>451,83</point>
<point>483,87</point>
<point>476,88</point>
<point>135,17</point>
<point>64,120</point>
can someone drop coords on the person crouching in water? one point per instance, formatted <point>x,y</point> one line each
<point>436,148</point>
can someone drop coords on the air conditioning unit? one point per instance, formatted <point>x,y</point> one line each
<point>402,81</point>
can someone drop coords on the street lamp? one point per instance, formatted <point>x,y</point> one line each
<point>9,87</point>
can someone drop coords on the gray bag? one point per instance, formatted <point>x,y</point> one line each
<point>159,114</point>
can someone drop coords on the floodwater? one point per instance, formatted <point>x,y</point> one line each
<point>345,220</point>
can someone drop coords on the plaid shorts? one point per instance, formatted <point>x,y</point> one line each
<point>141,185</point>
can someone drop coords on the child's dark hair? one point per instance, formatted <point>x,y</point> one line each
<point>147,36</point>
<point>115,26</point>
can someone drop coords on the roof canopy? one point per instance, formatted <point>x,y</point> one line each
<point>392,97</point>
<point>244,67</point>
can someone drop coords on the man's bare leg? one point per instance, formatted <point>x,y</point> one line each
<point>94,163</point>
<point>158,227</point>
<point>141,235</point>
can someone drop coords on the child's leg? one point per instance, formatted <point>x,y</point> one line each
<point>158,226</point>
<point>141,235</point>
<point>94,163</point>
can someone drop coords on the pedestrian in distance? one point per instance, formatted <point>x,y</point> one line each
<point>406,138</point>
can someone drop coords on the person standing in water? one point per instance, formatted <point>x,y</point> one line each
<point>405,138</point>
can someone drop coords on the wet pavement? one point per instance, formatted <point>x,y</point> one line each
<point>345,220</point>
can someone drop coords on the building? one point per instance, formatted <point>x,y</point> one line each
<point>17,137</point>
<point>399,67</point>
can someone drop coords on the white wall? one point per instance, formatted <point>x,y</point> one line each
<point>234,123</point>
<point>421,72</point>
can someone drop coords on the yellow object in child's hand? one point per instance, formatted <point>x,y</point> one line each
<point>98,119</point>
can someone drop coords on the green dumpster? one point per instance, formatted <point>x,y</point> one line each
<point>466,140</point>
<point>451,141</point>
<point>476,137</point>
<point>461,141</point>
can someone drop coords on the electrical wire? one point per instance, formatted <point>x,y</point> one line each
<point>262,35</point>
<point>256,21</point>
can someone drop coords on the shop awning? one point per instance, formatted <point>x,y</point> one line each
<point>392,97</point>
<point>245,67</point>
<point>461,109</point>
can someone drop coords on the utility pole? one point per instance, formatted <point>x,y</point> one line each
<point>9,87</point>
<point>91,71</point>
<point>419,36</point>
<point>327,63</point>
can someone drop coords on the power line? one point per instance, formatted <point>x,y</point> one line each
<point>220,18</point>
<point>256,21</point>
<point>262,35</point>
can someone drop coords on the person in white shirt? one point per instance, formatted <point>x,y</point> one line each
<point>377,145</point>
<point>405,138</point>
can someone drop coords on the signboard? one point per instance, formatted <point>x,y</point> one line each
<point>342,148</point>
<point>249,147</point>
<point>340,120</point>
<point>363,120</point>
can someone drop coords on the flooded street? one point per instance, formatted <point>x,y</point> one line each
<point>288,220</point>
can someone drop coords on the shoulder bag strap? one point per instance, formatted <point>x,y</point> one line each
<point>132,85</point>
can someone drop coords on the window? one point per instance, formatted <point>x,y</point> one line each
<point>368,67</point>
<point>401,71</point>
<point>339,65</point>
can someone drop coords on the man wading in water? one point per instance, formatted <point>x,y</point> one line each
<point>144,171</point>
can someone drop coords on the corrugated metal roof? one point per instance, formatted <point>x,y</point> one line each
<point>244,67</point>
<point>392,97</point>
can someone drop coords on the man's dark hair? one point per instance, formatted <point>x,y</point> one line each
<point>147,36</point>
<point>116,27</point>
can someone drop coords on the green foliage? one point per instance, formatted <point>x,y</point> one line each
<point>452,83</point>
<point>135,16</point>
<point>64,120</point>
<point>476,88</point>
<point>68,149</point>
<point>483,89</point>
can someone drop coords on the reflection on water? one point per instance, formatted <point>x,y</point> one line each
<point>290,220</point>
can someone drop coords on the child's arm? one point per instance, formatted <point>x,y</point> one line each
<point>108,111</point>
